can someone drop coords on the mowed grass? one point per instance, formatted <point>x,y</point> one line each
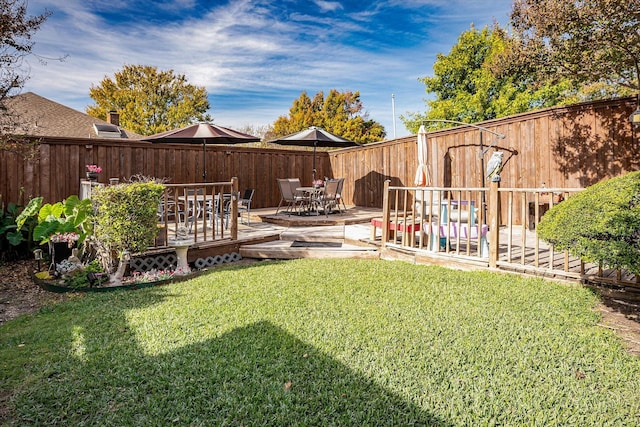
<point>321,342</point>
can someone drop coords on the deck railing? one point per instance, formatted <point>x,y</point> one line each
<point>460,224</point>
<point>207,211</point>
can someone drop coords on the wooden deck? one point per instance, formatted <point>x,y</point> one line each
<point>339,235</point>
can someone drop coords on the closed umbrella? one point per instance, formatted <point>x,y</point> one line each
<point>202,133</point>
<point>422,178</point>
<point>314,137</point>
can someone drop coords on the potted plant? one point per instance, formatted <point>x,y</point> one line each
<point>92,172</point>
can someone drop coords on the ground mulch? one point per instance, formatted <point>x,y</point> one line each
<point>19,294</point>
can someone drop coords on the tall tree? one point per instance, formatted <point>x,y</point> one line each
<point>588,41</point>
<point>340,113</point>
<point>149,101</point>
<point>469,86</point>
<point>16,31</point>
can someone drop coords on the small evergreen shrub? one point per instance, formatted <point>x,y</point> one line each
<point>600,224</point>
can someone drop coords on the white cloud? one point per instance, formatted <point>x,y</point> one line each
<point>328,6</point>
<point>253,59</point>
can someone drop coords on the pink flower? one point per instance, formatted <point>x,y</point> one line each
<point>94,168</point>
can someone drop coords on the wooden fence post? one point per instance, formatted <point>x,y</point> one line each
<point>494,224</point>
<point>385,213</point>
<point>234,208</point>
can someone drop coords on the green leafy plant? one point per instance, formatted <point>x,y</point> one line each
<point>126,218</point>
<point>69,216</point>
<point>600,224</point>
<point>15,242</point>
<point>79,278</point>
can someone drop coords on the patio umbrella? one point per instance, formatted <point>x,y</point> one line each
<point>314,137</point>
<point>202,133</point>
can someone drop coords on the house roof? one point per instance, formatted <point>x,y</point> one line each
<point>35,115</point>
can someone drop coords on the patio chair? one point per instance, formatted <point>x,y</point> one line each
<point>244,204</point>
<point>220,210</point>
<point>339,198</point>
<point>329,198</point>
<point>287,196</point>
<point>170,210</point>
<point>194,206</point>
<point>306,199</point>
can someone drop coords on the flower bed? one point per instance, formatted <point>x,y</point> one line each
<point>134,281</point>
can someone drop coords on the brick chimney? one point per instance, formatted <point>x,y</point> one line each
<point>113,117</point>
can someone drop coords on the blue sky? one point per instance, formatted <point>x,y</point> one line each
<point>255,57</point>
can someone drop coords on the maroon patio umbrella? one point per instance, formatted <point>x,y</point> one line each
<point>202,133</point>
<point>314,137</point>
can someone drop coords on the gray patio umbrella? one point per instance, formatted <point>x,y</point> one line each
<point>202,133</point>
<point>314,137</point>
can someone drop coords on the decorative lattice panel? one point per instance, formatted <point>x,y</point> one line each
<point>169,261</point>
<point>210,261</point>
<point>166,261</point>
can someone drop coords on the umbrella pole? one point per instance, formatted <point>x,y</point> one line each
<point>314,162</point>
<point>204,160</point>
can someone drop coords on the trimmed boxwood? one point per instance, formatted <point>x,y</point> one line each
<point>600,224</point>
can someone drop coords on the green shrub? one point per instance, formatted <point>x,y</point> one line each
<point>600,224</point>
<point>126,216</point>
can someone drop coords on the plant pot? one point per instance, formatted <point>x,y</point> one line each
<point>92,176</point>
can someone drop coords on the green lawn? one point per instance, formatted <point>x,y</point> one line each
<point>321,342</point>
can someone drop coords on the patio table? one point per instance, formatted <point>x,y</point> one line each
<point>312,197</point>
<point>203,203</point>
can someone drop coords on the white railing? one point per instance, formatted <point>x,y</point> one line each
<point>208,212</point>
<point>492,227</point>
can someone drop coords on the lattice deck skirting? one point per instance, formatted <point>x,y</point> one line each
<point>168,261</point>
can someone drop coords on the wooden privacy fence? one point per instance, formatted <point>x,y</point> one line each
<point>61,164</point>
<point>466,226</point>
<point>562,147</point>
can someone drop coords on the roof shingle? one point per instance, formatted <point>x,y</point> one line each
<point>39,116</point>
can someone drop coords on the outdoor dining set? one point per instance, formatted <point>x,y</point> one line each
<point>300,200</point>
<point>196,204</point>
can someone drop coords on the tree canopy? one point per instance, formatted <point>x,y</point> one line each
<point>340,113</point>
<point>149,101</point>
<point>587,41</point>
<point>469,86</point>
<point>16,31</point>
<point>559,52</point>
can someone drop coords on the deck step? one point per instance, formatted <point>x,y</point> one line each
<point>330,233</point>
<point>314,242</point>
<point>294,249</point>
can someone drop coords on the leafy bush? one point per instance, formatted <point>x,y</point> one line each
<point>126,216</point>
<point>69,216</point>
<point>600,224</point>
<point>15,243</point>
